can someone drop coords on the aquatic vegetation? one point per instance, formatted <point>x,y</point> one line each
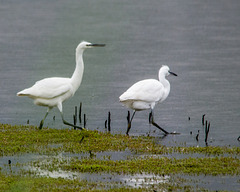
<point>28,139</point>
<point>82,149</point>
<point>16,183</point>
<point>153,165</point>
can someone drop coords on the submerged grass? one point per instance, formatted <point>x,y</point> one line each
<point>17,140</point>
<point>211,166</point>
<point>147,165</point>
<point>28,184</point>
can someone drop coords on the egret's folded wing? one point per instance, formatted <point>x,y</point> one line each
<point>149,90</point>
<point>47,88</point>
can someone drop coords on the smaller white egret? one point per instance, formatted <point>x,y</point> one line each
<point>146,94</point>
<point>52,92</point>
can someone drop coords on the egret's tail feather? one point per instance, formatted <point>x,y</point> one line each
<point>23,93</point>
<point>20,94</point>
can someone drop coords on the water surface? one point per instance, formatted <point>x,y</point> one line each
<point>198,40</point>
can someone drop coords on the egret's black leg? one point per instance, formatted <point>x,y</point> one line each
<point>130,122</point>
<point>155,124</point>
<point>66,123</point>
<point>41,123</point>
<point>150,117</point>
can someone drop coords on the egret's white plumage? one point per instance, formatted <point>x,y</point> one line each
<point>47,90</point>
<point>147,93</point>
<point>52,92</point>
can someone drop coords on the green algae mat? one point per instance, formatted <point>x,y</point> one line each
<point>73,160</point>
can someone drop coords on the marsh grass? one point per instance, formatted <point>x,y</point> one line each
<point>29,139</point>
<point>151,158</point>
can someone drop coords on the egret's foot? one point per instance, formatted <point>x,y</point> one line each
<point>151,120</point>
<point>75,126</point>
<point>41,125</point>
<point>128,129</point>
<point>129,121</point>
<point>174,133</point>
<point>156,125</point>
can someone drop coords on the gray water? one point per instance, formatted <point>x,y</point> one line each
<point>198,40</point>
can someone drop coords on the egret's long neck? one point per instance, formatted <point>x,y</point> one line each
<point>76,78</point>
<point>166,85</point>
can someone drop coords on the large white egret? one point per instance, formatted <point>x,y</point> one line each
<point>146,94</point>
<point>52,92</point>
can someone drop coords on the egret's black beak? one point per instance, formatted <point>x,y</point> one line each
<point>96,45</point>
<point>172,73</point>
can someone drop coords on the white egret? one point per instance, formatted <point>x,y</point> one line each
<point>146,94</point>
<point>52,92</point>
